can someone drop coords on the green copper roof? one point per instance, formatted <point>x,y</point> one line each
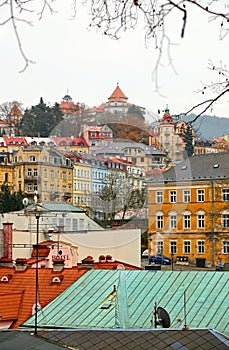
<point>61,207</point>
<point>125,299</point>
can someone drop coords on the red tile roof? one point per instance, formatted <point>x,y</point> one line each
<point>17,296</point>
<point>19,141</point>
<point>15,111</point>
<point>69,141</point>
<point>118,95</point>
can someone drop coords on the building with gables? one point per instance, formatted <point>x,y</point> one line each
<point>167,135</point>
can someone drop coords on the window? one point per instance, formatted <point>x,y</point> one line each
<point>225,220</point>
<point>45,172</point>
<point>187,247</point>
<point>29,172</point>
<point>187,221</point>
<point>142,159</point>
<point>200,247</point>
<point>52,187</point>
<point>225,195</point>
<point>159,197</point>
<point>160,247</point>
<point>173,247</point>
<point>35,172</point>
<point>30,187</point>
<point>159,221</point>
<point>200,221</point>
<point>81,224</point>
<point>200,195</point>
<point>186,194</point>
<point>32,159</point>
<point>173,196</point>
<point>61,222</point>
<point>225,247</point>
<point>173,221</point>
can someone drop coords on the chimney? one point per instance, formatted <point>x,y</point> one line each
<point>102,258</point>
<point>7,239</point>
<point>58,264</point>
<point>108,258</point>
<point>21,264</point>
<point>6,262</point>
<point>88,262</point>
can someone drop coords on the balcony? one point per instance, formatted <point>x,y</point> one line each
<point>32,178</point>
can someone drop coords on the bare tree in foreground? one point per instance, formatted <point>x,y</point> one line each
<point>113,17</point>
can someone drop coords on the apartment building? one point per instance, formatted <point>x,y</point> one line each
<point>44,170</point>
<point>189,209</point>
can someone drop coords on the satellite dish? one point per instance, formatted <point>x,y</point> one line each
<point>163,317</point>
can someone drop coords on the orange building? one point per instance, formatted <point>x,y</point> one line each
<point>189,209</point>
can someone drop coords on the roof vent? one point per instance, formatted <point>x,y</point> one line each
<point>184,167</point>
<point>216,165</point>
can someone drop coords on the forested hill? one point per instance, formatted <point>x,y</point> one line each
<point>207,127</point>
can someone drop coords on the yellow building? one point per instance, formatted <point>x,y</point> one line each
<point>6,170</point>
<point>167,135</point>
<point>189,209</point>
<point>44,170</point>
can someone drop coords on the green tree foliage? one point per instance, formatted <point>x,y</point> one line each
<point>188,140</point>
<point>10,201</point>
<point>40,120</point>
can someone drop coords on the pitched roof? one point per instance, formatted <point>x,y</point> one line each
<point>117,95</point>
<point>70,141</point>
<point>192,339</point>
<point>125,299</point>
<point>62,207</point>
<point>17,296</point>
<point>17,140</point>
<point>199,167</point>
<point>18,340</point>
<point>15,111</point>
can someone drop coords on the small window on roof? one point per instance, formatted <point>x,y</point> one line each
<point>215,165</point>
<point>56,280</point>
<point>4,279</point>
<point>184,167</point>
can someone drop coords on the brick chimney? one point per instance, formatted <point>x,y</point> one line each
<point>7,239</point>
<point>88,262</point>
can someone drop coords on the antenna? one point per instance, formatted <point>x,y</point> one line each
<point>161,317</point>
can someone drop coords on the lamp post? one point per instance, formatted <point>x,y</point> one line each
<point>35,211</point>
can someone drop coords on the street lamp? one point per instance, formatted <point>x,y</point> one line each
<point>35,211</point>
<point>172,256</point>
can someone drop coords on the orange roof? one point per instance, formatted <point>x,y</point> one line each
<point>15,111</point>
<point>69,141</point>
<point>15,140</point>
<point>14,306</point>
<point>118,95</point>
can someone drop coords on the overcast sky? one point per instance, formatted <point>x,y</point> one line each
<point>87,65</point>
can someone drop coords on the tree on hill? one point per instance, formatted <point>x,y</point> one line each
<point>40,119</point>
<point>188,140</point>
<point>10,201</point>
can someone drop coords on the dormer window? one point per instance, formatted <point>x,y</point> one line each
<point>56,280</point>
<point>4,279</point>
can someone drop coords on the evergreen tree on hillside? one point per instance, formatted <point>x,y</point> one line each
<point>188,140</point>
<point>10,201</point>
<point>39,120</point>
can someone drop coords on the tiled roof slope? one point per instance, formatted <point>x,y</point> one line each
<point>117,95</point>
<point>17,296</point>
<point>18,340</point>
<point>125,299</point>
<point>198,167</point>
<point>196,339</point>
